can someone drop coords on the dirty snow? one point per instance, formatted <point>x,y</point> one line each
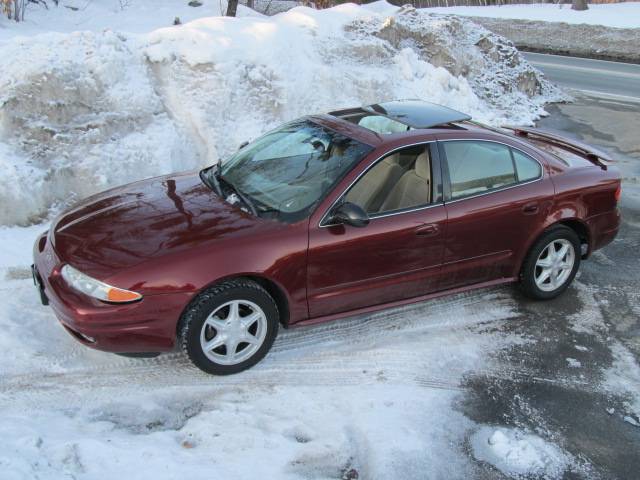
<point>95,107</point>
<point>573,363</point>
<point>517,453</point>
<point>619,15</point>
<point>623,378</point>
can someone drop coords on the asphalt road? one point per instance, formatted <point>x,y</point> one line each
<point>595,77</point>
<point>605,113</point>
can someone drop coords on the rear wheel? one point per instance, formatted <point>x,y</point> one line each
<point>229,327</point>
<point>551,264</point>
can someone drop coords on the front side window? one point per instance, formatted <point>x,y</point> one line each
<point>481,166</point>
<point>286,172</point>
<point>399,181</point>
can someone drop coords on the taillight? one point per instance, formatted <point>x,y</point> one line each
<point>618,193</point>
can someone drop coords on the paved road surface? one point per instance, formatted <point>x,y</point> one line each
<point>597,77</point>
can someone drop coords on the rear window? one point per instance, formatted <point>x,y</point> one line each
<point>567,157</point>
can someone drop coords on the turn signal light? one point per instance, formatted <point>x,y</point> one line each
<point>118,295</point>
<point>618,193</point>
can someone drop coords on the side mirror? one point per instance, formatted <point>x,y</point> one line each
<point>243,144</point>
<point>350,214</point>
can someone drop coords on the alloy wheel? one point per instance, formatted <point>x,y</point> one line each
<point>233,332</point>
<point>554,265</point>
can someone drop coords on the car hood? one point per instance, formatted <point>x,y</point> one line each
<point>128,225</point>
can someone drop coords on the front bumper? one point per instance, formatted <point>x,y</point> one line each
<point>145,326</point>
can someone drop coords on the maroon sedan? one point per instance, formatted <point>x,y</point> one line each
<point>326,216</point>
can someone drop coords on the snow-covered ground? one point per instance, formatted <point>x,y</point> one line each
<point>619,15</point>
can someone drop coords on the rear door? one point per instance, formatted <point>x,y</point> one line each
<point>496,197</point>
<point>398,255</point>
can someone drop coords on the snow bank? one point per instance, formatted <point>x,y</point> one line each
<point>519,454</point>
<point>91,110</point>
<point>620,15</point>
<point>267,433</point>
<point>82,114</point>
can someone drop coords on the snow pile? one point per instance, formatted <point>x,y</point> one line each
<point>82,114</point>
<point>285,433</point>
<point>620,15</point>
<point>91,110</point>
<point>519,454</point>
<point>496,72</point>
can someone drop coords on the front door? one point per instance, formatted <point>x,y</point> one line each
<point>398,255</point>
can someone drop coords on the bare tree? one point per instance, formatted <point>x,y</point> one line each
<point>579,5</point>
<point>14,9</point>
<point>232,8</point>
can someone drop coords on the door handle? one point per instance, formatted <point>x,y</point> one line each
<point>429,230</point>
<point>530,208</point>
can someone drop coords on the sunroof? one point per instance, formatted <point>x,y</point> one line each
<point>412,113</point>
<point>416,113</point>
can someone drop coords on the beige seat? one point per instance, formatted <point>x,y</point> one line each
<point>371,190</point>
<point>414,187</point>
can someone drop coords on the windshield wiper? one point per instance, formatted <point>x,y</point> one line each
<point>245,199</point>
<point>211,180</point>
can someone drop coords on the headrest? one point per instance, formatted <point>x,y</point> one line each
<point>392,159</point>
<point>423,166</point>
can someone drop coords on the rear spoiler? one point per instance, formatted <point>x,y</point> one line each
<point>595,156</point>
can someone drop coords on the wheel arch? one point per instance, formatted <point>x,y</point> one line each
<point>276,291</point>
<point>581,229</point>
<point>577,225</point>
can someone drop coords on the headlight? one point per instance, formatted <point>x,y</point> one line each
<point>95,288</point>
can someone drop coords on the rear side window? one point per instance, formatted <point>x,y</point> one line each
<point>526,167</point>
<point>481,166</point>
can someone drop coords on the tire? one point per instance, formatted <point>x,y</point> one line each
<point>534,266</point>
<point>231,312</point>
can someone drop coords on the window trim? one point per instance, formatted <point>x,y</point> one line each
<point>437,183</point>
<point>446,178</point>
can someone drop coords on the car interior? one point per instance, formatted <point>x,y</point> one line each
<point>400,180</point>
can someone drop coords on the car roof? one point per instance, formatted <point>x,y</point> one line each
<point>425,122</point>
<point>416,114</point>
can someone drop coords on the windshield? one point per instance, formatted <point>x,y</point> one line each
<point>287,171</point>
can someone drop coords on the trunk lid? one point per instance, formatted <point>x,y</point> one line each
<point>573,152</point>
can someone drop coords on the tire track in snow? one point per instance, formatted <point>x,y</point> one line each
<point>391,346</point>
<point>459,311</point>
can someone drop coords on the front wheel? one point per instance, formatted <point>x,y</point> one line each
<point>229,327</point>
<point>551,264</point>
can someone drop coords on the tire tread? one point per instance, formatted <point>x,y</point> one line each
<point>200,302</point>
